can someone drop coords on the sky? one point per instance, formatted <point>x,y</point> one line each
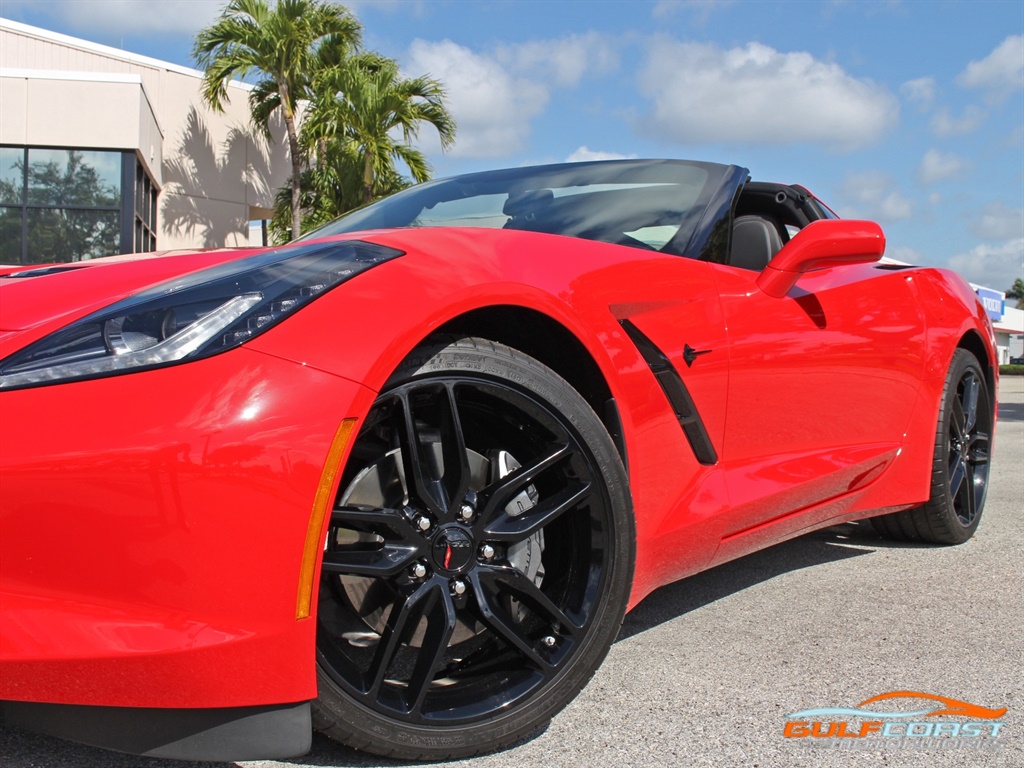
<point>907,112</point>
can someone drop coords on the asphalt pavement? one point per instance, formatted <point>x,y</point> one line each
<point>705,670</point>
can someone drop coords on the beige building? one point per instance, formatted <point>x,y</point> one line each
<point>103,151</point>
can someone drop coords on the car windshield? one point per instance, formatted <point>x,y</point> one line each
<point>649,204</point>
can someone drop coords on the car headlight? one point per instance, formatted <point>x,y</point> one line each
<point>191,317</point>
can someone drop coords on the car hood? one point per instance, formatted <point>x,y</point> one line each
<point>34,296</point>
<point>38,295</point>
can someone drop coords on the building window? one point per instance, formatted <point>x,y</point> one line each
<point>60,205</point>
<point>145,211</point>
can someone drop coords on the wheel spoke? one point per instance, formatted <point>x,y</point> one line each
<point>484,660</point>
<point>382,563</point>
<point>401,621</point>
<point>506,527</point>
<point>418,481</point>
<point>456,477</point>
<point>360,518</point>
<point>978,451</point>
<point>500,493</point>
<point>517,584</point>
<point>969,497</point>
<point>495,617</point>
<point>958,420</point>
<point>970,402</point>
<point>957,473</point>
<point>441,619</point>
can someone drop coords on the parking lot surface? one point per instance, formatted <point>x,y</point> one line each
<point>705,670</point>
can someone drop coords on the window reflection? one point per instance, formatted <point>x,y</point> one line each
<point>67,234</point>
<point>59,205</point>
<point>12,174</point>
<point>10,235</point>
<point>74,177</point>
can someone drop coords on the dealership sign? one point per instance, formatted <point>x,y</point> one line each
<point>993,302</point>
<point>941,723</point>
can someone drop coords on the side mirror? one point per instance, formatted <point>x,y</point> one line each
<point>825,243</point>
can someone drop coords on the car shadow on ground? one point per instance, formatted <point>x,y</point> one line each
<point>1011,412</point>
<point>23,749</point>
<point>681,597</point>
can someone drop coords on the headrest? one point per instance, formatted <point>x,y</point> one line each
<point>530,201</point>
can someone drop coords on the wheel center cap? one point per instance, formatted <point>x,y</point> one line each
<point>452,550</point>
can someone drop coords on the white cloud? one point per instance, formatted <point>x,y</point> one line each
<point>945,125</point>
<point>494,96</point>
<point>996,266</point>
<point>491,106</point>
<point>938,166</point>
<point>126,16</point>
<point>920,91</point>
<point>998,221</point>
<point>700,10</point>
<point>415,8</point>
<point>563,61</point>
<point>584,153</point>
<point>1000,73</point>
<point>873,195</point>
<point>757,95</point>
<point>1014,139</point>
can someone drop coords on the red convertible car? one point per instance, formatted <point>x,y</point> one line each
<point>400,480</point>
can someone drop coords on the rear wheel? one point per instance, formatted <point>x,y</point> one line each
<point>478,561</point>
<point>961,465</point>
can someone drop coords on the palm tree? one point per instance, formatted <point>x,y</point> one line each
<point>329,189</point>
<point>280,42</point>
<point>364,101</point>
<point>1017,292</point>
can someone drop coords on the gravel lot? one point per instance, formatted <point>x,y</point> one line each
<point>704,670</point>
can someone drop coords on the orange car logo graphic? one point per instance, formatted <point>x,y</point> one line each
<point>946,706</point>
<point>887,720</point>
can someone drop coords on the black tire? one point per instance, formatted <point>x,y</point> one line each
<point>960,467</point>
<point>407,665</point>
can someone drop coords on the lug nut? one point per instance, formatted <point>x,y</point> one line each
<point>459,587</point>
<point>549,641</point>
<point>419,570</point>
<point>423,523</point>
<point>486,551</point>
<point>466,512</point>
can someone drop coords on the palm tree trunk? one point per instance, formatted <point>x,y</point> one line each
<point>296,157</point>
<point>368,177</point>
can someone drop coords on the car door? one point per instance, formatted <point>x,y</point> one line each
<point>821,385</point>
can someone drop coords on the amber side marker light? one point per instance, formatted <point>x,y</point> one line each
<point>321,509</point>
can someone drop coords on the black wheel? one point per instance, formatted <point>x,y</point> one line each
<point>961,465</point>
<point>478,561</point>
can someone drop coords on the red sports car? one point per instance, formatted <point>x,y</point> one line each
<point>399,480</point>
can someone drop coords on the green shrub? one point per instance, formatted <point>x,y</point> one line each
<point>1011,370</point>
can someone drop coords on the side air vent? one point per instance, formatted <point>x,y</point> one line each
<point>676,392</point>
